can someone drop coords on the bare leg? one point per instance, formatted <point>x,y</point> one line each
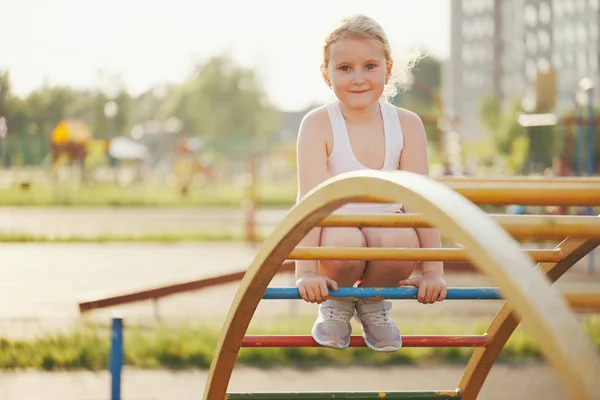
<point>332,327</point>
<point>344,272</point>
<point>380,332</point>
<point>389,273</point>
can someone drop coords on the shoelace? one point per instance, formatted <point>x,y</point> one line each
<point>379,317</point>
<point>337,314</point>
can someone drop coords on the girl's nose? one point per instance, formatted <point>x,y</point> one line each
<point>358,78</point>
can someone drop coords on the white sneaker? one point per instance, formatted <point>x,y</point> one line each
<point>380,332</point>
<point>332,327</point>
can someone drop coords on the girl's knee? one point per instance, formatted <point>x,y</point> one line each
<point>342,237</point>
<point>392,237</point>
<point>339,266</point>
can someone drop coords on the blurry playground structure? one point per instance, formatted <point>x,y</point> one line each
<point>578,128</point>
<point>189,167</point>
<point>69,143</point>
<point>73,146</point>
<point>523,276</point>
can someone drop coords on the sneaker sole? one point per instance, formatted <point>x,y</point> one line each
<point>388,349</point>
<point>328,343</point>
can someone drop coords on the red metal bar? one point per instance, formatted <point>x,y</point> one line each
<point>358,341</point>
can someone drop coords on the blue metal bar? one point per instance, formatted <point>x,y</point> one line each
<point>591,154</point>
<point>116,358</point>
<point>291,293</point>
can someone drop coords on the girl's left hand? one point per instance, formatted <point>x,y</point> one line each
<point>432,288</point>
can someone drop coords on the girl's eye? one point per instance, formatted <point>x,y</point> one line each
<point>345,68</point>
<point>371,66</point>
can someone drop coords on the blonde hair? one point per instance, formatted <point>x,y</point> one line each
<point>364,27</point>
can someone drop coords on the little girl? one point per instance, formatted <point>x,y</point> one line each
<point>357,131</point>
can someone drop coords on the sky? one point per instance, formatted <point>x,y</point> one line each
<point>145,43</point>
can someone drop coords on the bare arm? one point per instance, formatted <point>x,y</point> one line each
<point>311,156</point>
<point>415,159</point>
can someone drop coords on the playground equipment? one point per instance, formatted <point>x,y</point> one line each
<point>487,244</point>
<point>188,165</point>
<point>527,290</point>
<point>69,141</point>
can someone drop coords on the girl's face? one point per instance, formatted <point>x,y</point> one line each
<point>357,71</point>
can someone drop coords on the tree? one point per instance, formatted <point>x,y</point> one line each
<point>225,105</point>
<point>17,115</point>
<point>5,94</point>
<point>103,126</point>
<point>121,121</point>
<point>48,106</point>
<point>423,97</point>
<point>34,118</point>
<point>150,104</point>
<point>14,109</point>
<point>509,138</point>
<point>426,83</point>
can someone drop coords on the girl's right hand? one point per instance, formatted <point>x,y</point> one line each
<point>313,288</point>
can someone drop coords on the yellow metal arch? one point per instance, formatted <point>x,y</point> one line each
<point>543,311</point>
<point>505,321</point>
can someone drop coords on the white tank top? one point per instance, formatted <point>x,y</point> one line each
<point>342,158</point>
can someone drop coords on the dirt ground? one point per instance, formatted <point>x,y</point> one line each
<point>147,220</point>
<point>522,382</point>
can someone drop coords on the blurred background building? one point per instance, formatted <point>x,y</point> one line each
<point>500,46</point>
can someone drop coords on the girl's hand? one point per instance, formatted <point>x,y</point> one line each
<point>432,288</point>
<point>313,288</point>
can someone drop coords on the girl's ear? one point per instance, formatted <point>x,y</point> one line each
<point>390,67</point>
<point>325,75</point>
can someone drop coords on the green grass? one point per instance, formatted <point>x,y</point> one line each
<point>112,195</point>
<point>87,347</point>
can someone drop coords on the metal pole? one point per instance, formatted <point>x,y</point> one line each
<point>578,140</point>
<point>116,358</point>
<point>591,132</point>
<point>250,198</point>
<point>591,154</point>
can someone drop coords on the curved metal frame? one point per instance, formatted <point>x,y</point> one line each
<point>505,321</point>
<point>545,314</point>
